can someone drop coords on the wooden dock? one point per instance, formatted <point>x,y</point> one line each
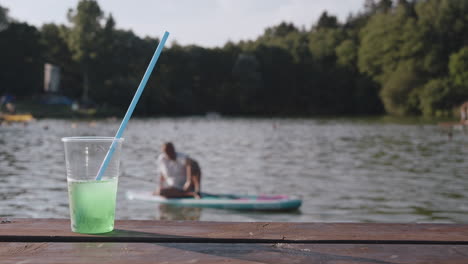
<point>51,241</point>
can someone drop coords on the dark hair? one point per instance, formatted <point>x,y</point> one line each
<point>169,149</point>
<point>195,167</point>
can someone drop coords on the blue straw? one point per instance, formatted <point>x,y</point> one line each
<point>135,99</point>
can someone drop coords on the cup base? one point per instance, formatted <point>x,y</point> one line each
<point>91,231</point>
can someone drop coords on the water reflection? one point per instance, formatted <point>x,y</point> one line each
<point>169,212</point>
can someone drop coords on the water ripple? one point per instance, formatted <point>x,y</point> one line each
<point>344,171</point>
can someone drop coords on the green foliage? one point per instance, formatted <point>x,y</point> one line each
<point>21,60</point>
<point>53,37</point>
<point>401,57</point>
<point>83,37</point>
<point>459,68</point>
<point>381,6</point>
<point>326,21</point>
<point>386,40</point>
<point>384,5</point>
<point>282,30</point>
<point>398,93</point>
<point>437,98</point>
<point>423,35</point>
<point>56,51</point>
<point>443,25</point>
<point>346,53</point>
<point>323,42</point>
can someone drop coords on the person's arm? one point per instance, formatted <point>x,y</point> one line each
<point>196,183</point>
<point>195,179</point>
<point>190,179</point>
<point>161,182</point>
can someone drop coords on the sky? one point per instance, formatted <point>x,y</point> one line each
<point>207,23</point>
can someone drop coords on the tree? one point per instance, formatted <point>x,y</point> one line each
<point>56,51</point>
<point>407,6</point>
<point>21,63</point>
<point>282,30</point>
<point>83,37</point>
<point>443,25</point>
<point>323,43</point>
<point>4,19</point>
<point>346,53</point>
<point>458,67</point>
<point>409,56</point>
<point>369,6</point>
<point>384,6</point>
<point>52,37</point>
<point>326,21</point>
<point>248,81</point>
<point>399,92</point>
<point>437,98</point>
<point>386,40</point>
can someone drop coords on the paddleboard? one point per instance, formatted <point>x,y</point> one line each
<point>224,201</point>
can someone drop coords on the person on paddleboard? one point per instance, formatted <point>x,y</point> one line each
<point>179,174</point>
<point>464,113</point>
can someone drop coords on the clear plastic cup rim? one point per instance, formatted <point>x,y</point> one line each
<point>91,139</point>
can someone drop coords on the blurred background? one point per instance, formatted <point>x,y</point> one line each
<point>353,105</point>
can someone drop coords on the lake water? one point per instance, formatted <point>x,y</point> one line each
<point>344,170</point>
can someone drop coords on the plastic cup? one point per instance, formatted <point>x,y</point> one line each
<point>92,202</point>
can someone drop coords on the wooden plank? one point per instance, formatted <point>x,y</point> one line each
<point>140,253</point>
<point>45,230</point>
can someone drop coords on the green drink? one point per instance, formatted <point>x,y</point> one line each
<point>92,205</point>
<point>92,202</point>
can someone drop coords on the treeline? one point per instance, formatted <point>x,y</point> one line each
<point>402,58</point>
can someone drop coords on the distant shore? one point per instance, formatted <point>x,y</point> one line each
<point>44,111</point>
<point>39,110</point>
